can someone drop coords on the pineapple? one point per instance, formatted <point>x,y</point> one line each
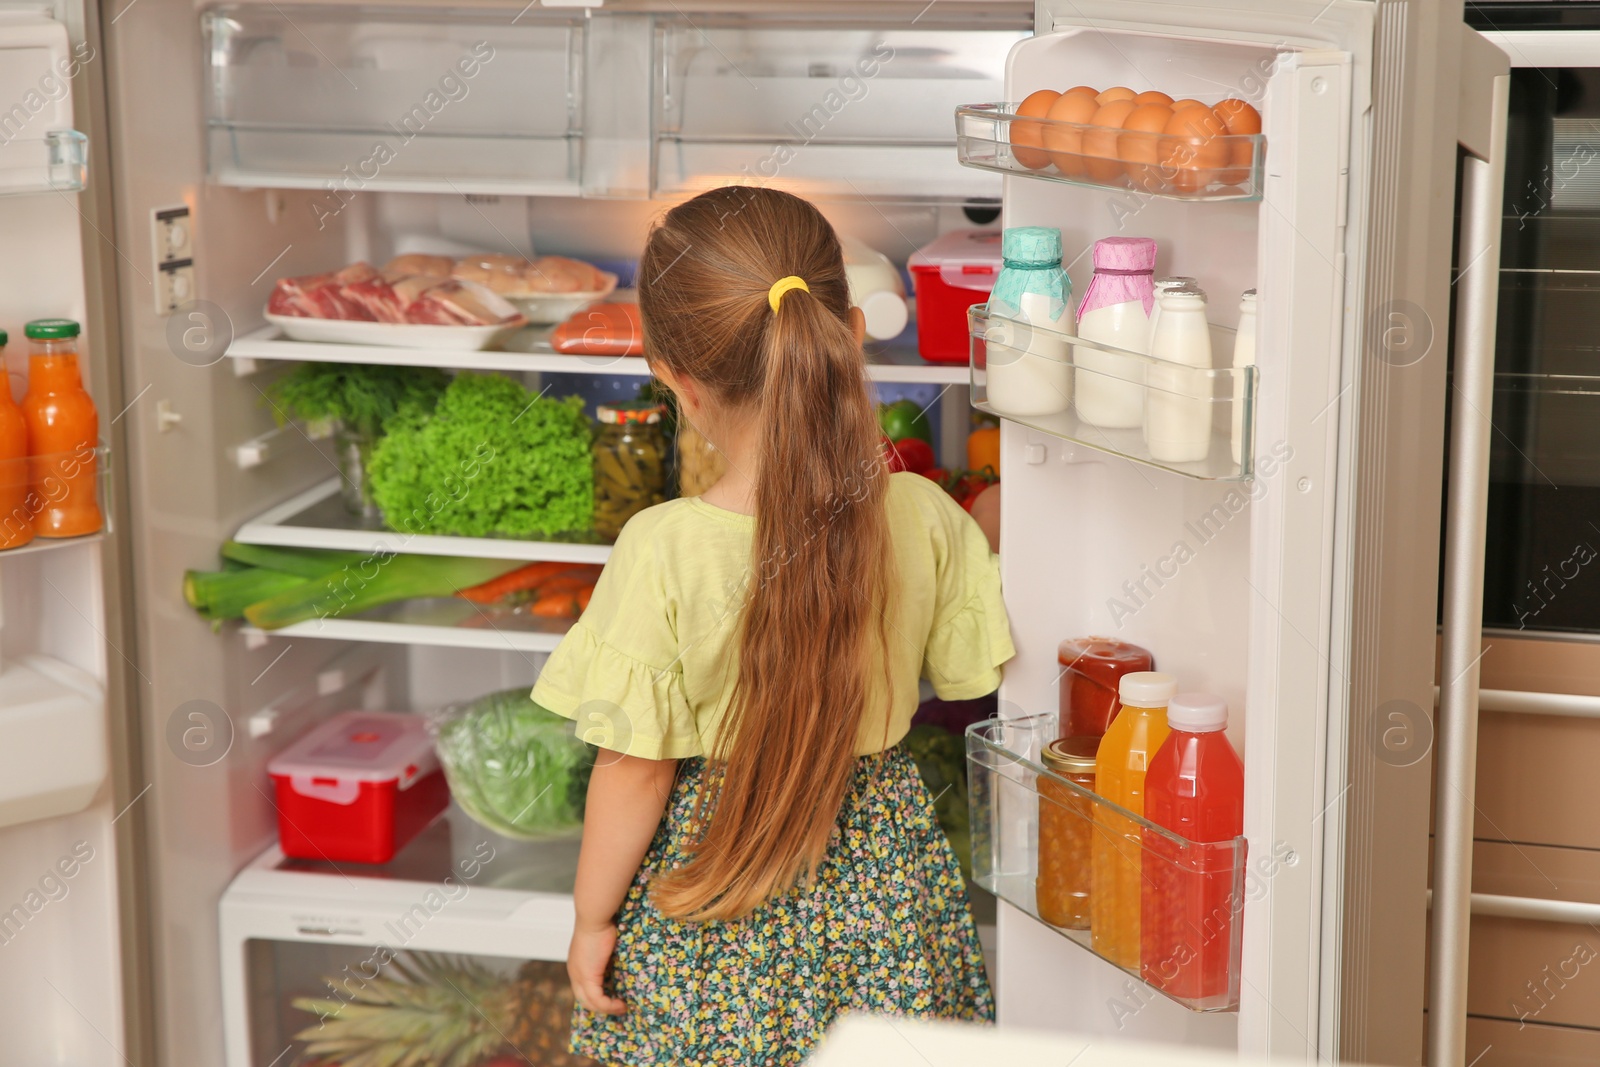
<point>430,1010</point>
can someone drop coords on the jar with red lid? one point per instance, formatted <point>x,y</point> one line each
<point>1092,668</point>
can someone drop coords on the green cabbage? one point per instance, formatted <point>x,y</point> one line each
<point>941,757</point>
<point>513,766</point>
<point>491,460</point>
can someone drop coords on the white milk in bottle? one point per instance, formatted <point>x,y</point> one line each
<point>1115,312</point>
<point>1026,372</point>
<point>1177,424</point>
<point>1244,355</point>
<point>1161,286</point>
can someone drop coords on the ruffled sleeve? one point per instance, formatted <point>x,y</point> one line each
<point>971,635</point>
<point>617,672</point>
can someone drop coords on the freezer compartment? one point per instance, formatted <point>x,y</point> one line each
<point>1193,421</point>
<point>831,106</point>
<point>994,137</point>
<point>58,162</point>
<point>1190,896</point>
<point>353,99</point>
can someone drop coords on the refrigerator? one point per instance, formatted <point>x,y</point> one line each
<point>230,145</point>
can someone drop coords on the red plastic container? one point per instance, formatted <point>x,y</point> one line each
<point>950,275</point>
<point>357,787</point>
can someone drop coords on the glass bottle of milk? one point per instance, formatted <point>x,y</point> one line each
<point>1177,424</point>
<point>1030,315</point>
<point>1162,285</point>
<point>1244,355</point>
<point>1115,312</point>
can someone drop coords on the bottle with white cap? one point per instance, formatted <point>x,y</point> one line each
<point>1244,355</point>
<point>1133,737</point>
<point>1189,921</point>
<point>1177,419</point>
<point>1162,285</point>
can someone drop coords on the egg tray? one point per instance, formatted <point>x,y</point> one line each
<point>1171,166</point>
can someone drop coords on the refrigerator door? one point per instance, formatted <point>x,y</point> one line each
<point>1301,596</point>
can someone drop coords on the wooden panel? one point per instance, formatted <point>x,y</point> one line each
<point>1497,1043</point>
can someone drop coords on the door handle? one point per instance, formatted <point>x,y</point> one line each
<point>1485,86</point>
<point>1517,701</point>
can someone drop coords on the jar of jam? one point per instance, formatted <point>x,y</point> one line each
<point>1092,668</point>
<point>1066,834</point>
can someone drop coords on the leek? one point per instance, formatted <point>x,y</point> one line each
<point>304,562</point>
<point>225,594</point>
<point>374,581</point>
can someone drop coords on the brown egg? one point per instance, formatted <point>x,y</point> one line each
<point>1115,93</point>
<point>1067,141</point>
<point>1100,144</point>
<point>1241,120</point>
<point>1091,90</point>
<point>1026,137</point>
<point>1139,145</point>
<point>1152,96</point>
<point>1179,105</point>
<point>1193,152</point>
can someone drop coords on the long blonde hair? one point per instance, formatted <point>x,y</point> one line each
<point>814,625</point>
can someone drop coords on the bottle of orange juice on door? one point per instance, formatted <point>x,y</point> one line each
<point>16,520</point>
<point>63,429</point>
<point>1120,764</point>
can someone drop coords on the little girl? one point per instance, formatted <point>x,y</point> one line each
<point>759,853</point>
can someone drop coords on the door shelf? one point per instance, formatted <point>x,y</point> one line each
<point>58,162</point>
<point>445,622</point>
<point>1042,379</point>
<point>351,99</point>
<point>1012,797</point>
<point>993,137</point>
<point>529,350</point>
<point>317,518</point>
<point>39,479</point>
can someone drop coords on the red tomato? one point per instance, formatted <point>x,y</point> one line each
<point>937,475</point>
<point>915,454</point>
<point>892,456</point>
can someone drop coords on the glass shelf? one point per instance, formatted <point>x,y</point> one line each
<point>839,106</point>
<point>58,162</point>
<point>1050,381</point>
<point>1189,896</point>
<point>993,137</point>
<point>349,99</point>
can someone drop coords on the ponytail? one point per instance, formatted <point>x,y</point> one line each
<point>814,627</point>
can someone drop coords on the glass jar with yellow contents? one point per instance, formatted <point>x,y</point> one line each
<point>630,464</point>
<point>1066,831</point>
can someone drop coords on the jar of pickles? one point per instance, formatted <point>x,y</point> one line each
<point>1066,833</point>
<point>630,464</point>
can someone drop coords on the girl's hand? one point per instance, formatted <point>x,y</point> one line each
<point>587,958</point>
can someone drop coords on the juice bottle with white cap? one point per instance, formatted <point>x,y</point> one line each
<point>1189,922</point>
<point>1119,774</point>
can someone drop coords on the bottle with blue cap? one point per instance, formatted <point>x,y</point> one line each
<point>1027,372</point>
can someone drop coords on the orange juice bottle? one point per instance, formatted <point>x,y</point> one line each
<point>16,520</point>
<point>63,429</point>
<point>1125,751</point>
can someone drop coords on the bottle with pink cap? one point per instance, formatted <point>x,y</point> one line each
<point>1109,390</point>
<point>1189,920</point>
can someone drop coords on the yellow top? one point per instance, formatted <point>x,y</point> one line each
<point>649,668</point>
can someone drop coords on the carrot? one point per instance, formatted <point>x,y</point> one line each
<point>524,579</point>
<point>583,598</point>
<point>556,606</point>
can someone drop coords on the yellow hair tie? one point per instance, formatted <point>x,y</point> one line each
<point>783,285</point>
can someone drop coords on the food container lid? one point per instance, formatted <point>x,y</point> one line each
<point>1072,755</point>
<point>330,761</point>
<point>1197,713</point>
<point>965,259</point>
<point>51,329</point>
<point>1147,689</point>
<point>636,412</point>
<point>1100,650</point>
<point>1032,244</point>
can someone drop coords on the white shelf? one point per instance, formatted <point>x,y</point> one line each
<point>445,622</point>
<point>58,162</point>
<point>529,350</point>
<point>317,518</point>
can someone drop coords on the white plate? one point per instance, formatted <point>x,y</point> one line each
<point>550,308</point>
<point>394,334</point>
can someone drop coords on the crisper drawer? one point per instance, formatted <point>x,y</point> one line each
<point>354,98</point>
<point>1499,1043</point>
<point>857,105</point>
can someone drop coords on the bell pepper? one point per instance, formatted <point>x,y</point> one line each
<point>903,419</point>
<point>983,449</point>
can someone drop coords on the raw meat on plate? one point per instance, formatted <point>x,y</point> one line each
<point>322,296</point>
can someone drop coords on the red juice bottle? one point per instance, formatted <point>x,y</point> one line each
<point>1189,916</point>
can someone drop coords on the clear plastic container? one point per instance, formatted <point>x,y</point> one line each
<point>357,787</point>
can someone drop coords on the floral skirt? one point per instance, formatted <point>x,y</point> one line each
<point>885,928</point>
